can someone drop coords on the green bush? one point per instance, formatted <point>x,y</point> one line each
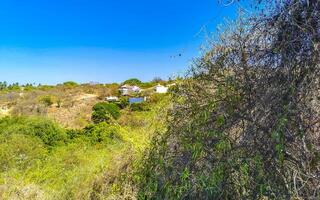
<point>123,102</point>
<point>19,151</point>
<point>49,132</point>
<point>132,81</point>
<point>154,98</point>
<point>102,132</point>
<point>104,112</point>
<point>47,100</point>
<point>70,84</point>
<point>139,107</point>
<point>74,133</point>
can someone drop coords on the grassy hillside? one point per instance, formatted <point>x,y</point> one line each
<point>45,159</point>
<point>244,123</point>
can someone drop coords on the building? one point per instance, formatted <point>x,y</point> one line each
<point>112,98</point>
<point>128,89</point>
<point>161,89</point>
<point>135,89</point>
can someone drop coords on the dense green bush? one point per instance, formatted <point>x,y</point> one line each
<point>50,133</point>
<point>70,84</point>
<point>104,112</point>
<point>103,132</point>
<point>74,133</point>
<point>132,81</point>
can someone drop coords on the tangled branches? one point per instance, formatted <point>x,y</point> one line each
<point>246,121</point>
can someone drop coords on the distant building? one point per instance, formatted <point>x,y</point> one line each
<point>112,98</point>
<point>135,89</point>
<point>128,89</point>
<point>161,89</point>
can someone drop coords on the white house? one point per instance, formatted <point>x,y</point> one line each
<point>128,89</point>
<point>161,89</point>
<point>135,88</point>
<point>112,98</point>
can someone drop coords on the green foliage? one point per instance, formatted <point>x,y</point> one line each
<point>40,160</point>
<point>279,139</point>
<point>146,85</point>
<point>29,87</point>
<point>47,100</point>
<point>139,106</point>
<point>70,84</point>
<point>155,98</point>
<point>123,102</point>
<point>239,126</point>
<point>5,86</point>
<point>49,132</point>
<point>45,87</point>
<point>103,132</point>
<point>19,151</point>
<point>104,112</point>
<point>132,81</point>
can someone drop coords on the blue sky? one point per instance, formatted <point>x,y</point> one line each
<point>48,42</point>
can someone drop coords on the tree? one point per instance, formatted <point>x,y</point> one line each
<point>157,80</point>
<point>132,81</point>
<point>3,85</point>
<point>70,84</point>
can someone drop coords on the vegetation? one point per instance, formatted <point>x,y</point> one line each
<point>145,85</point>
<point>7,87</point>
<point>139,106</point>
<point>104,112</point>
<point>132,81</point>
<point>242,124</point>
<point>41,160</point>
<point>47,100</point>
<point>123,102</point>
<point>70,84</point>
<point>244,121</point>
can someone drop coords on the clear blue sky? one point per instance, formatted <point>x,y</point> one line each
<point>51,41</point>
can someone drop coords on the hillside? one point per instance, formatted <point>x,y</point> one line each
<point>242,123</point>
<point>70,106</point>
<point>45,159</point>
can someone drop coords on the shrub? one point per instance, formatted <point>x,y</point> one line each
<point>70,84</point>
<point>49,132</point>
<point>47,100</point>
<point>74,133</point>
<point>105,112</point>
<point>19,151</point>
<point>242,125</point>
<point>154,98</point>
<point>123,102</point>
<point>132,81</point>
<point>103,132</point>
<point>139,107</point>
